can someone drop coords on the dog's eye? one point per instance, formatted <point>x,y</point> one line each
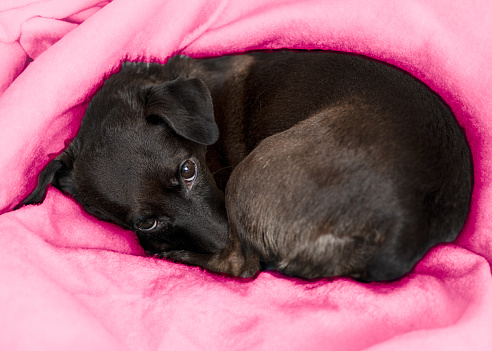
<point>188,171</point>
<point>147,225</point>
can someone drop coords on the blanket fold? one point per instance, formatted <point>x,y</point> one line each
<point>70,281</point>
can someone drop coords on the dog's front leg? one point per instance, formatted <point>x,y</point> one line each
<point>231,260</point>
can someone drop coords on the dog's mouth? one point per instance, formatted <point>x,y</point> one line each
<point>175,239</point>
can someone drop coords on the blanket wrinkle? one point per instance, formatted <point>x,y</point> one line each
<point>12,60</point>
<point>38,34</point>
<point>71,281</point>
<point>12,19</point>
<point>84,14</point>
<point>25,25</point>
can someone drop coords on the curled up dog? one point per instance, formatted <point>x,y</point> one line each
<point>332,164</point>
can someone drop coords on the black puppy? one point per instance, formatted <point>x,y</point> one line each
<point>341,165</point>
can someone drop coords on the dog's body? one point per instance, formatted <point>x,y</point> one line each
<point>340,165</point>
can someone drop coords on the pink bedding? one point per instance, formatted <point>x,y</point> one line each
<point>71,282</point>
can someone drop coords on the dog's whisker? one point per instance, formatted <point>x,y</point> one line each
<point>220,170</point>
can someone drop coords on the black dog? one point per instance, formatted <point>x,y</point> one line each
<point>340,165</point>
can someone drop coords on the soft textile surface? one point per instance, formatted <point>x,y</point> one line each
<point>71,282</point>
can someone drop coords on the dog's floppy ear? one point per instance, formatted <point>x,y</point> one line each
<point>58,173</point>
<point>186,106</point>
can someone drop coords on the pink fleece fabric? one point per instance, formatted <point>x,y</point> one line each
<point>70,281</point>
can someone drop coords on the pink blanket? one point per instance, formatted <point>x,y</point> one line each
<point>71,282</point>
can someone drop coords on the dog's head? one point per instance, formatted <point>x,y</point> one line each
<point>139,161</point>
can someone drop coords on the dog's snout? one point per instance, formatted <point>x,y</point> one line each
<point>213,230</point>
